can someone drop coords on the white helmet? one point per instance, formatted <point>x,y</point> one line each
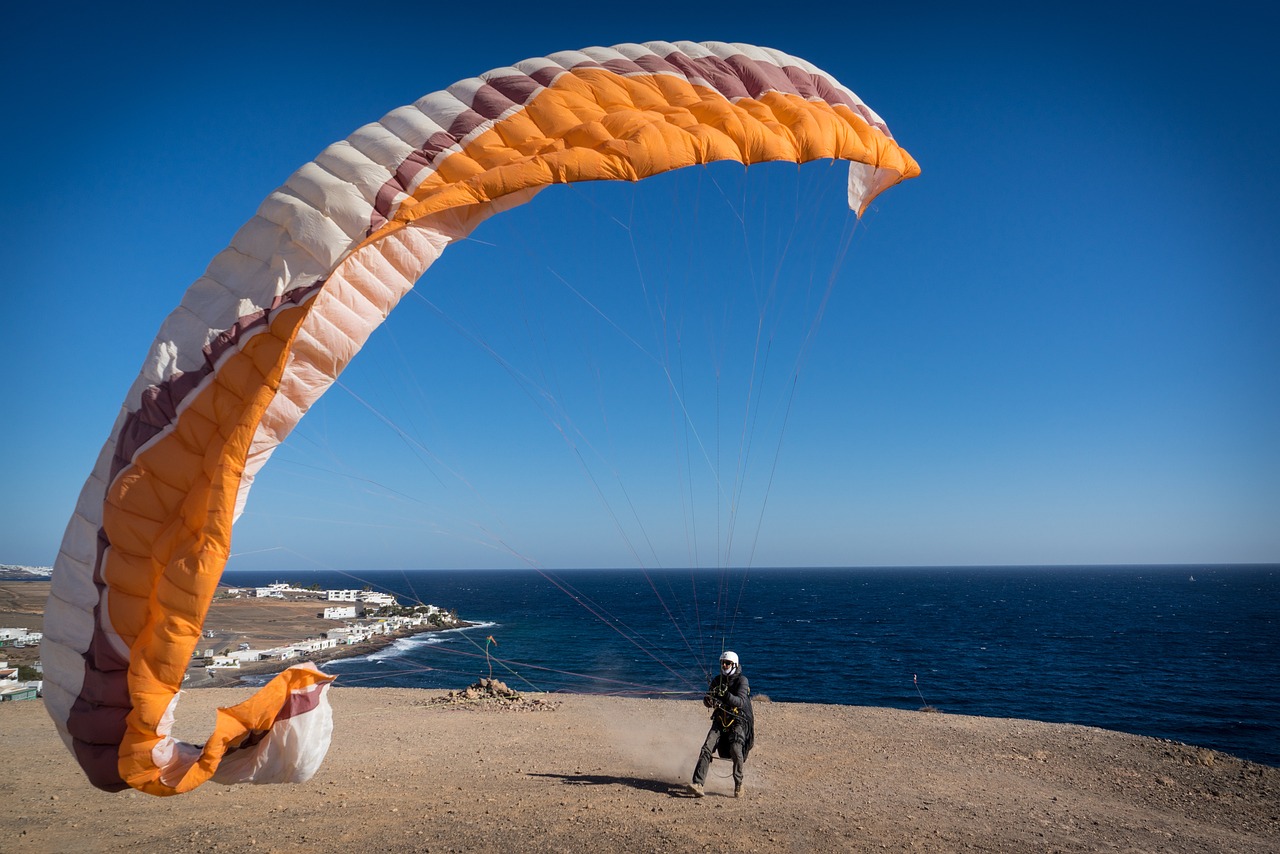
<point>732,659</point>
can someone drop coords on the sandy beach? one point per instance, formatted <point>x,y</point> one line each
<point>591,773</point>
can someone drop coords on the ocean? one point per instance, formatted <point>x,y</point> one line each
<point>1190,654</point>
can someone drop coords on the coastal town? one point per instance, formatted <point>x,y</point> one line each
<point>248,630</point>
<point>348,623</point>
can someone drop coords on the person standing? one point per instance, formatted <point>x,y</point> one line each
<point>732,733</point>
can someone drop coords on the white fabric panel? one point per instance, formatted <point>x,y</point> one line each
<point>388,142</point>
<point>68,613</point>
<point>75,630</point>
<point>260,238</point>
<point>441,107</point>
<point>120,644</point>
<point>172,758</point>
<point>629,51</point>
<point>696,50</point>
<point>779,58</point>
<point>233,265</point>
<point>412,124</point>
<point>570,58</point>
<point>315,243</point>
<point>346,162</point>
<point>499,73</point>
<point>465,90</point>
<point>866,181</point>
<point>59,692</point>
<point>291,752</point>
<point>209,306</point>
<point>604,54</point>
<point>538,64</point>
<point>340,202</point>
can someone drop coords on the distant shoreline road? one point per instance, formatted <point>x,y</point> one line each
<point>261,624</point>
<point>230,677</point>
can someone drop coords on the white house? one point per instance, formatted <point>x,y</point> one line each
<point>379,600</point>
<point>315,644</point>
<point>29,691</point>
<point>280,653</point>
<point>19,637</point>
<point>233,659</point>
<point>342,612</point>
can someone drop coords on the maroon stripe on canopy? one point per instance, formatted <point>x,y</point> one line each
<point>735,77</point>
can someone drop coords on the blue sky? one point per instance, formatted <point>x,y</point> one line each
<point>1058,345</point>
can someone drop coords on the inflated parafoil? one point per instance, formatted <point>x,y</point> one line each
<point>278,315</point>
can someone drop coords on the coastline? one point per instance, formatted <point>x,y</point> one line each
<point>260,623</point>
<point>229,677</point>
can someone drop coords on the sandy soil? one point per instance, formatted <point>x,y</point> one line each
<point>607,774</point>
<point>22,607</point>
<point>604,774</point>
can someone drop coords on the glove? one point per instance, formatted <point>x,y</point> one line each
<point>708,701</point>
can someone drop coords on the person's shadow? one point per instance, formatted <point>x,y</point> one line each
<point>611,780</point>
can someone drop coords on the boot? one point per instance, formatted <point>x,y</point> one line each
<point>695,789</point>
<point>737,790</point>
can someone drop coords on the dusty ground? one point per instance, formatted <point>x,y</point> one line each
<point>22,607</point>
<point>603,774</point>
<point>606,774</point>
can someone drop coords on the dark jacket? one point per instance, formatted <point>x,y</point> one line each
<point>730,700</point>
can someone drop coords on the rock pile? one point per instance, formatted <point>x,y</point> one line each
<point>492,694</point>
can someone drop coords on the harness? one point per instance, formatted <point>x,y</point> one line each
<point>726,718</point>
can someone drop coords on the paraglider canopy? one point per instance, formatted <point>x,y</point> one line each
<point>278,315</point>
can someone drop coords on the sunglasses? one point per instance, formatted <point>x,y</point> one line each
<point>726,664</point>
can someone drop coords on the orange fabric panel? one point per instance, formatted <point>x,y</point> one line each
<point>595,125</point>
<point>179,559</point>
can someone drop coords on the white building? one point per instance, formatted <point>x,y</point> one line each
<point>19,637</point>
<point>368,597</point>
<point>280,653</point>
<point>234,659</point>
<point>315,644</point>
<point>342,612</point>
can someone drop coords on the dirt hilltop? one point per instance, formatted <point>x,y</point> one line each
<point>604,774</point>
<point>422,771</point>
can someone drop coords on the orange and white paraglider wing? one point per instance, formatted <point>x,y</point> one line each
<point>279,314</point>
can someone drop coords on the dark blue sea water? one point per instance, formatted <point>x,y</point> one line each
<point>1190,654</point>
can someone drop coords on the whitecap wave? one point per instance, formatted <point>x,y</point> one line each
<point>403,646</point>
